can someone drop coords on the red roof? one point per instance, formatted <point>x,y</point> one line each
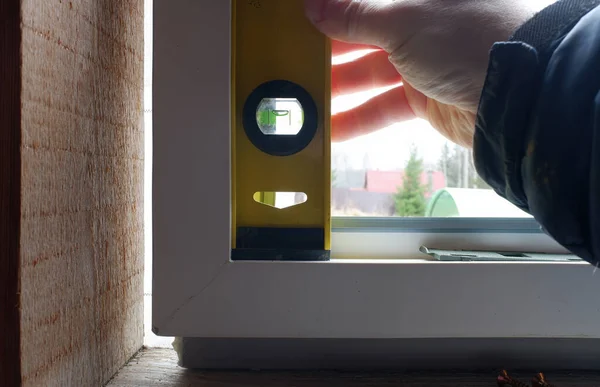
<point>389,181</point>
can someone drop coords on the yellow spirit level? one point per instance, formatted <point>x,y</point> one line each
<point>281,163</point>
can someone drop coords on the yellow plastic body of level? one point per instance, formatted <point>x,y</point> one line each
<point>280,63</point>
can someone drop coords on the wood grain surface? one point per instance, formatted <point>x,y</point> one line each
<point>158,367</point>
<point>80,131</point>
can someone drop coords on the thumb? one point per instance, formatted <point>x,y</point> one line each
<point>352,21</point>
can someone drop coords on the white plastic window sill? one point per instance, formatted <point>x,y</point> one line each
<point>401,238</point>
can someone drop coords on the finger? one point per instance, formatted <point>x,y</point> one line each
<point>343,48</point>
<point>354,21</point>
<point>369,72</point>
<point>377,113</point>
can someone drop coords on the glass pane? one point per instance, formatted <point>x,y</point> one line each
<point>408,170</point>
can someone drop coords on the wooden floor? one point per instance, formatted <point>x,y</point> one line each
<point>158,367</point>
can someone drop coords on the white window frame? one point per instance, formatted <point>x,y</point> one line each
<point>199,292</point>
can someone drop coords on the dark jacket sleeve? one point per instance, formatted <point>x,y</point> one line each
<point>537,136</point>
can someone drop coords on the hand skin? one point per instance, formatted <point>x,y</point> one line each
<point>436,51</point>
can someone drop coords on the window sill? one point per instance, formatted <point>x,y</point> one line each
<point>380,299</point>
<point>401,238</point>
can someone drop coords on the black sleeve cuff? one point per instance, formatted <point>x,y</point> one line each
<point>536,135</point>
<point>552,23</point>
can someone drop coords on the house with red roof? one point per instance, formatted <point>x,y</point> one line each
<point>372,192</point>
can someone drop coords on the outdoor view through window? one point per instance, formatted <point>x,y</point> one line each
<point>408,170</point>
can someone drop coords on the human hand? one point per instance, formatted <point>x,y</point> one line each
<point>438,49</point>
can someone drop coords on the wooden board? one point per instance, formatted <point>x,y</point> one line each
<point>158,367</point>
<point>80,248</point>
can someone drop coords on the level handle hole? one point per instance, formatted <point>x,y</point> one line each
<point>280,200</point>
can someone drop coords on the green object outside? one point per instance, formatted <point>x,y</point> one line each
<point>471,203</point>
<point>441,205</point>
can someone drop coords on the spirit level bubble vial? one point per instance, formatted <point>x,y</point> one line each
<point>281,163</point>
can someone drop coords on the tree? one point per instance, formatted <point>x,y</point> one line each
<point>479,183</point>
<point>476,180</point>
<point>450,164</point>
<point>410,198</point>
<point>457,165</point>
